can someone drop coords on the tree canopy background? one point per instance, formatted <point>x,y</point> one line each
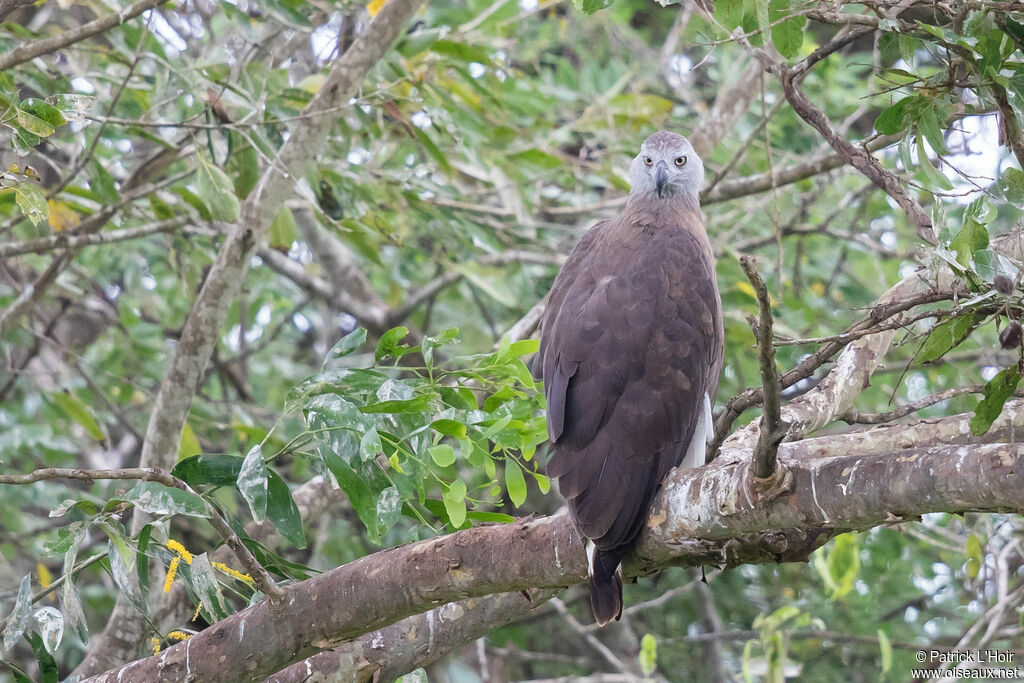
<point>294,257</point>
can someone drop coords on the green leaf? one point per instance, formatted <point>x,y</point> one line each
<point>72,106</point>
<point>499,517</point>
<point>17,620</point>
<point>44,111</point>
<point>890,121</point>
<point>69,599</point>
<point>189,445</point>
<point>998,389</point>
<point>972,237</point>
<point>50,622</point>
<point>389,509</point>
<point>493,287</point>
<point>788,35</point>
<point>648,654</point>
<point>433,150</point>
<point>536,158</point>
<point>47,665</point>
<point>515,482</point>
<point>1013,29</point>
<point>35,125</point>
<point>356,489</point>
<point>73,407</point>
<point>369,444</point>
<point>32,202</point>
<point>928,123</point>
<point>729,13</point>
<point>252,483</point>
<point>412,405</point>
<point>202,579</point>
<point>216,191</point>
<point>885,650</point>
<point>101,183</point>
<point>591,6</point>
<point>454,503</point>
<point>452,428</point>
<point>443,455</point>
<point>141,559</point>
<point>974,556</point>
<point>945,336</point>
<point>157,499</point>
<point>981,211</point>
<point>282,511</point>
<point>935,178</point>
<point>216,470</point>
<point>282,229</point>
<point>348,344</point>
<point>122,567</point>
<point>388,344</point>
<point>245,166</point>
<point>838,564</point>
<point>1011,183</point>
<point>508,350</point>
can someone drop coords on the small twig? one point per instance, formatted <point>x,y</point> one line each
<point>73,240</point>
<point>591,639</point>
<point>262,579</point>
<point>805,368</point>
<point>773,428</point>
<point>853,416</point>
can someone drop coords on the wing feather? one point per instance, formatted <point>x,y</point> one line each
<point>630,346</point>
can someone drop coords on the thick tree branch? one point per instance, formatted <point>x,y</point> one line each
<point>703,516</point>
<point>414,642</point>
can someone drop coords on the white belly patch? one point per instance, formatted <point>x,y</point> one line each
<point>702,434</point>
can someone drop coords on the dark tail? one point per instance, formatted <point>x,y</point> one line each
<point>606,586</point>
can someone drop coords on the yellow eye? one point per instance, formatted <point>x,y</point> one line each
<point>680,161</point>
<point>649,161</point>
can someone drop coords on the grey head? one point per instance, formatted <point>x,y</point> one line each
<point>666,166</point>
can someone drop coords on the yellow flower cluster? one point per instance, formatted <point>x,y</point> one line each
<point>233,572</point>
<point>173,635</point>
<point>172,569</point>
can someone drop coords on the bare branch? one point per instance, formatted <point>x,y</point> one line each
<point>773,428</point>
<point>854,416</point>
<point>74,240</point>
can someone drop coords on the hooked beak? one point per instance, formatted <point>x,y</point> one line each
<point>661,178</point>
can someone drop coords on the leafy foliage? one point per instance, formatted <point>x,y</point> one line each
<point>475,154</point>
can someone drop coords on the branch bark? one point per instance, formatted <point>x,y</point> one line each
<point>414,642</point>
<point>704,516</point>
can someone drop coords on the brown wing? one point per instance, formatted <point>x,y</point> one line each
<point>628,345</point>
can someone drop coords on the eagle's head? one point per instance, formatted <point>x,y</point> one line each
<point>666,166</point>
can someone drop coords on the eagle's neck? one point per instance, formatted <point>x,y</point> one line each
<point>647,211</point>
